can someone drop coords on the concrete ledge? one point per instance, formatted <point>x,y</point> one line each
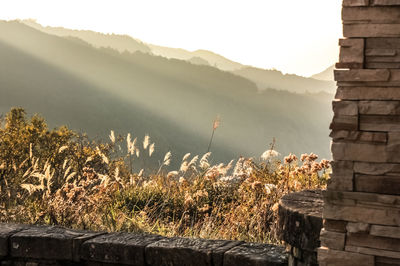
<point>53,245</point>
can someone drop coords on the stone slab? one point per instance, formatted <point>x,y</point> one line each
<point>385,231</point>
<point>376,168</point>
<point>370,241</point>
<point>344,122</point>
<point>358,214</point>
<point>351,53</point>
<point>49,242</point>
<point>355,2</point>
<point>186,251</point>
<point>366,198</point>
<point>383,123</point>
<point>382,261</point>
<point>368,93</point>
<point>378,184</point>
<point>357,227</point>
<point>335,226</point>
<point>6,231</point>
<point>371,30</point>
<point>386,65</point>
<point>347,108</point>
<point>359,136</point>
<point>374,252</point>
<point>382,43</point>
<point>254,254</point>
<point>330,257</point>
<point>362,152</point>
<point>120,248</point>
<point>364,75</point>
<point>385,2</point>
<point>333,240</point>
<point>379,107</point>
<point>375,15</point>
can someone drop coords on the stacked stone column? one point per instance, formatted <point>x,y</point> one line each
<point>362,203</point>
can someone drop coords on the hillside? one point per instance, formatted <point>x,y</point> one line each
<point>95,90</point>
<point>266,79</point>
<point>327,74</point>
<point>262,77</point>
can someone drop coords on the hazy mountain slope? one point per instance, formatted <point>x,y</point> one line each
<point>97,39</point>
<point>171,99</point>
<point>327,74</point>
<point>276,80</point>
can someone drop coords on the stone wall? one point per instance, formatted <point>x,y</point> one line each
<point>24,245</point>
<point>299,225</point>
<point>362,202</point>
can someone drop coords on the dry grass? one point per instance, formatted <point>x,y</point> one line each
<point>82,184</point>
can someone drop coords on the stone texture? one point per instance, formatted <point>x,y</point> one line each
<point>300,221</point>
<point>380,123</point>
<point>376,168</point>
<point>380,52</point>
<point>357,228</point>
<point>344,122</point>
<point>351,53</point>
<point>379,107</point>
<point>6,231</point>
<point>359,214</point>
<point>333,240</point>
<point>370,241</point>
<point>355,2</point>
<point>120,248</point>
<point>374,252</point>
<point>382,43</point>
<point>341,176</point>
<point>186,251</point>
<point>362,75</point>
<point>335,226</point>
<point>385,2</point>
<point>382,261</point>
<point>359,136</point>
<point>378,184</point>
<point>371,30</point>
<point>374,65</point>
<point>375,15</point>
<point>385,231</point>
<point>368,93</point>
<point>329,257</point>
<point>250,254</point>
<point>347,108</point>
<point>49,242</point>
<point>359,152</point>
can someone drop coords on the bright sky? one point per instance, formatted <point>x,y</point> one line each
<point>294,36</point>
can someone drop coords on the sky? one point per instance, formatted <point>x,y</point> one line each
<point>293,36</point>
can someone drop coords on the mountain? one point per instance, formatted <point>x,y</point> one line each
<point>262,77</point>
<point>275,79</point>
<point>115,41</point>
<point>327,74</point>
<point>95,90</point>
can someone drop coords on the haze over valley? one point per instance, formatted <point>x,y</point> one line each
<point>95,82</point>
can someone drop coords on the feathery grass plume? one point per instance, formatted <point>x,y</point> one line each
<point>30,151</point>
<point>70,176</point>
<point>269,154</point>
<point>31,188</point>
<point>204,160</point>
<point>184,167</point>
<point>112,137</point>
<point>141,172</point>
<point>167,158</point>
<point>65,163</point>
<point>172,174</point>
<point>89,159</point>
<point>146,141</point>
<point>186,156</point>
<point>216,123</point>
<point>193,161</point>
<point>137,153</point>
<point>63,148</point>
<point>151,149</point>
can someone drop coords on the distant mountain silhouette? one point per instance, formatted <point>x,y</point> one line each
<point>327,74</point>
<point>115,41</point>
<point>98,89</point>
<point>267,79</point>
<point>198,61</point>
